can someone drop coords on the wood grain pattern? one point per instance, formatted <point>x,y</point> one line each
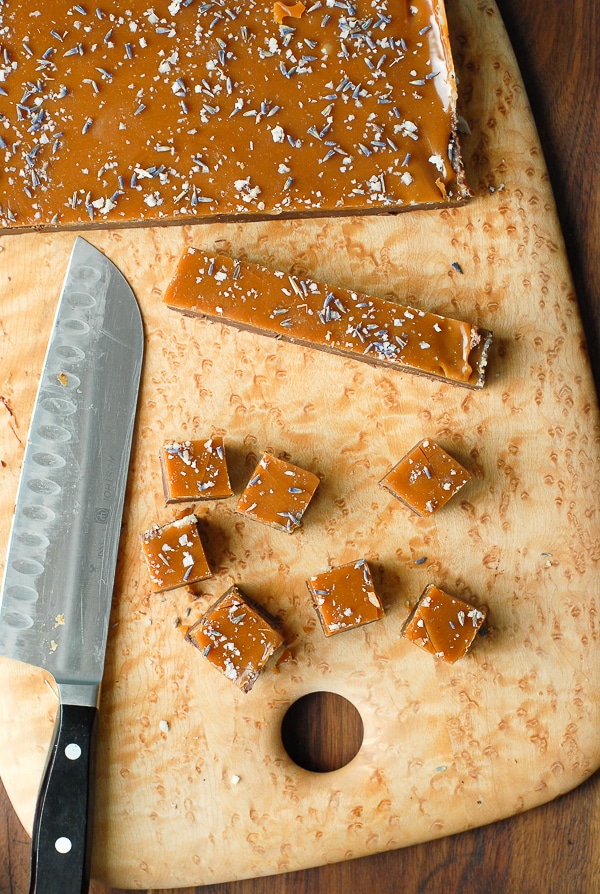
<point>441,848</point>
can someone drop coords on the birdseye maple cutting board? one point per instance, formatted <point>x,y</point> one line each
<point>211,795</point>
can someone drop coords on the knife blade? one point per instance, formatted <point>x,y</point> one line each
<point>62,551</point>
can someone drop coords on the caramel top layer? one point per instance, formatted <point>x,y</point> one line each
<point>278,493</point>
<point>426,478</point>
<point>236,637</point>
<point>195,470</point>
<point>329,318</point>
<point>345,597</point>
<point>443,625</point>
<point>174,554</point>
<point>188,109</point>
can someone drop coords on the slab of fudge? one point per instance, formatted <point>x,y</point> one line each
<point>278,493</point>
<point>183,110</point>
<point>174,554</point>
<point>426,478</point>
<point>195,470</point>
<point>443,625</point>
<point>344,597</point>
<point>237,637</point>
<point>329,318</point>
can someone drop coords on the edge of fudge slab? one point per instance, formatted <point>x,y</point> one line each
<point>329,318</point>
<point>237,636</point>
<point>150,123</point>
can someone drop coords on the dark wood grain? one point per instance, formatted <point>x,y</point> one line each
<point>554,848</point>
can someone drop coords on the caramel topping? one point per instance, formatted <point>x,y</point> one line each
<point>329,318</point>
<point>278,493</point>
<point>443,625</point>
<point>426,478</point>
<point>284,10</point>
<point>345,597</point>
<point>237,637</point>
<point>174,554</point>
<point>195,470</point>
<point>182,110</point>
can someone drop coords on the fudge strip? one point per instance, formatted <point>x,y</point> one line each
<point>329,318</point>
<point>181,109</point>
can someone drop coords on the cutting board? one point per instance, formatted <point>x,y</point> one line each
<point>210,794</point>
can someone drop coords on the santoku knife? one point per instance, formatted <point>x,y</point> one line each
<point>61,558</point>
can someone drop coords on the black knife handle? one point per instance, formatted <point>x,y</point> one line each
<point>60,854</point>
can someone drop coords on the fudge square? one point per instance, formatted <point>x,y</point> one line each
<point>442,624</point>
<point>345,597</point>
<point>195,470</point>
<point>278,493</point>
<point>426,478</point>
<point>174,554</point>
<point>237,637</point>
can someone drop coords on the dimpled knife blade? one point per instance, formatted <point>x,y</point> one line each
<point>62,552</point>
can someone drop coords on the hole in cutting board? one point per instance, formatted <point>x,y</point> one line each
<point>322,731</point>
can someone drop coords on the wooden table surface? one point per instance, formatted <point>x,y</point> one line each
<point>554,848</point>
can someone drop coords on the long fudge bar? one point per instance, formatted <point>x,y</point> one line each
<point>181,109</point>
<point>328,318</point>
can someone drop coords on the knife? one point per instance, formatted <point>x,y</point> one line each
<point>62,552</point>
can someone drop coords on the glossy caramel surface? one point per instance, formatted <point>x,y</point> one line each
<point>329,318</point>
<point>174,554</point>
<point>278,493</point>
<point>183,110</point>
<point>195,470</point>
<point>443,625</point>
<point>426,478</point>
<point>345,597</point>
<point>236,637</point>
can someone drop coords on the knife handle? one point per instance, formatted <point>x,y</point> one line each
<point>60,855</point>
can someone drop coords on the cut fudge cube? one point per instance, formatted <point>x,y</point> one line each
<point>345,597</point>
<point>426,478</point>
<point>442,624</point>
<point>195,470</point>
<point>237,636</point>
<point>174,554</point>
<point>278,493</point>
